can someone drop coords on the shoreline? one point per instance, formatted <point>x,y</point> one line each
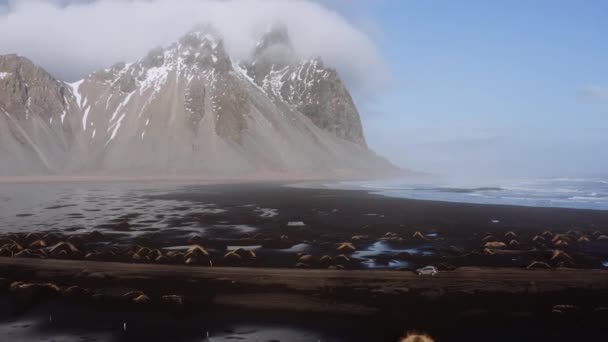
<point>295,182</point>
<point>252,178</point>
<point>389,192</point>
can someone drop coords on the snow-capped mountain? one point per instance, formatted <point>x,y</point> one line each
<point>185,109</point>
<point>305,84</point>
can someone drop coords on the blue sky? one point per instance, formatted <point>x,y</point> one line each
<point>477,89</point>
<point>489,88</point>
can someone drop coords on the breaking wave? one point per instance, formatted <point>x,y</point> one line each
<point>579,193</point>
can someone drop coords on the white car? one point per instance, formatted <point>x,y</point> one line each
<point>427,270</point>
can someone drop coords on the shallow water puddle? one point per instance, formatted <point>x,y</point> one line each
<point>298,248</point>
<point>176,248</point>
<point>270,333</point>
<point>380,253</point>
<point>383,247</point>
<point>370,263</point>
<point>93,208</point>
<point>249,248</point>
<point>241,228</point>
<point>267,212</point>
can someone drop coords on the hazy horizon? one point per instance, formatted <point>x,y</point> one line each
<point>471,90</point>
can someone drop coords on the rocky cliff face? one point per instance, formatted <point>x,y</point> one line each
<point>307,84</point>
<point>186,109</point>
<point>35,110</point>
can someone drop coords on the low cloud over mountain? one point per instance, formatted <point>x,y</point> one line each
<point>93,34</point>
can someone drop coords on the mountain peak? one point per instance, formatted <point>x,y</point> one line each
<point>201,36</point>
<point>198,50</point>
<point>276,36</point>
<point>306,84</point>
<point>272,52</point>
<point>32,91</point>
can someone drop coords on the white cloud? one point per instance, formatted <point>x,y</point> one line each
<point>73,40</point>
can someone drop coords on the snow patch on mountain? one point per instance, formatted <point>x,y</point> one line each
<point>75,86</point>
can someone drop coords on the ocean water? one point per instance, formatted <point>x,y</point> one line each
<point>578,193</point>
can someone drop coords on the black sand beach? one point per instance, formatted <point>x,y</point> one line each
<point>309,255</point>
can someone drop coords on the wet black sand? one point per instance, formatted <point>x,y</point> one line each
<point>292,230</point>
<point>452,234</point>
<point>473,303</point>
